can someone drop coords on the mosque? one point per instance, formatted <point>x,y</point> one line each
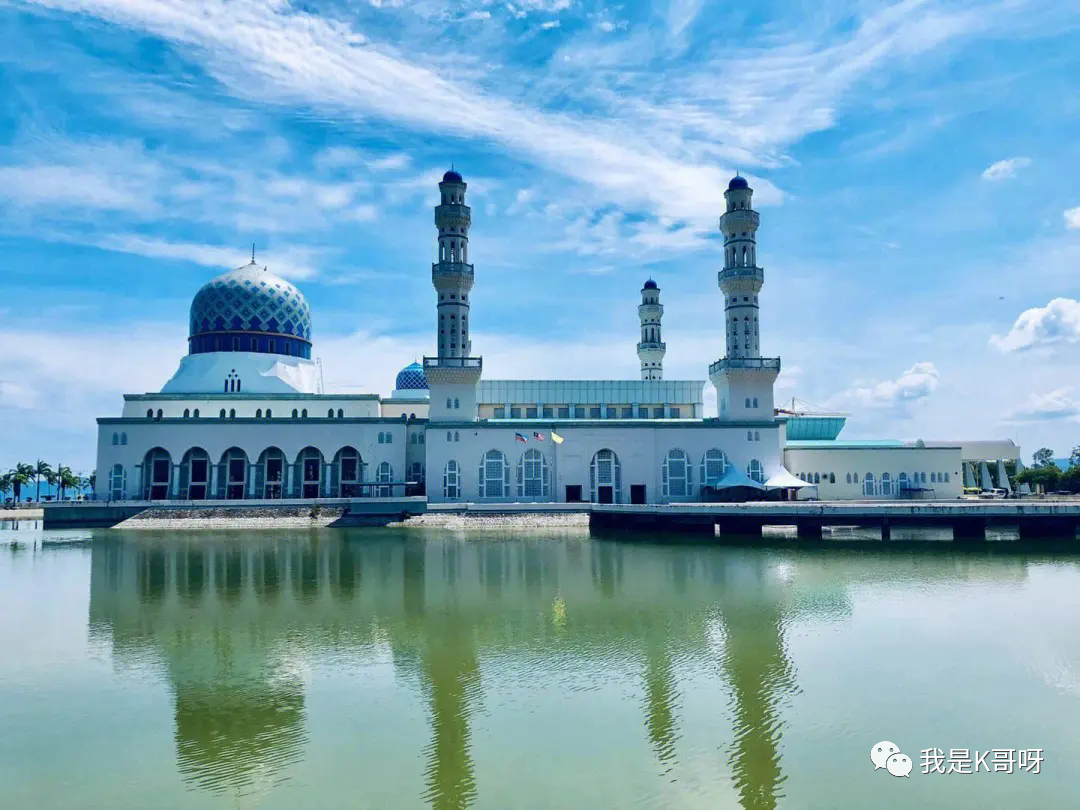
<point>245,415</point>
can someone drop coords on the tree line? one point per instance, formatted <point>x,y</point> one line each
<point>1044,474</point>
<point>23,475</point>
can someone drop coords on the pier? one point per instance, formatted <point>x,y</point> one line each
<point>968,520</point>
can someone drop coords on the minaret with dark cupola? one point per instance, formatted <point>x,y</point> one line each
<point>453,373</point>
<point>651,349</point>
<point>743,378</point>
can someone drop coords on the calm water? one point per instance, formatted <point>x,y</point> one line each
<point>391,669</point>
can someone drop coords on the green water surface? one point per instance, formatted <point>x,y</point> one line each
<point>382,668</point>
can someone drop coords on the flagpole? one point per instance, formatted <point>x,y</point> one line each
<point>554,466</point>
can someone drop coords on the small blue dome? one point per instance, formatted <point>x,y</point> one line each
<point>651,285</point>
<point>411,378</point>
<point>452,177</point>
<point>737,182</point>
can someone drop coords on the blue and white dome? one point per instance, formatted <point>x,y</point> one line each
<point>250,310</point>
<point>411,378</point>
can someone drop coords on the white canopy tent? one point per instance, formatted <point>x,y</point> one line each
<point>781,478</point>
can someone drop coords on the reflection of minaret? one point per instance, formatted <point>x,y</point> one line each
<point>451,668</point>
<point>660,703</point>
<point>756,664</point>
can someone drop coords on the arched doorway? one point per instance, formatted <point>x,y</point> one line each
<point>605,477</point>
<point>270,473</point>
<point>157,474</point>
<point>348,470</point>
<point>195,475</point>
<point>233,474</point>
<point>309,469</point>
<point>676,475</point>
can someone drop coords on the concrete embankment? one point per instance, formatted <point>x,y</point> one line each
<point>301,517</point>
<point>498,521</point>
<point>22,514</point>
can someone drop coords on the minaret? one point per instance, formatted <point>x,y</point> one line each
<point>453,374</point>
<point>651,349</point>
<point>743,378</point>
<point>452,275</point>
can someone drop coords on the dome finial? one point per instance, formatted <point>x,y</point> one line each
<point>253,253</point>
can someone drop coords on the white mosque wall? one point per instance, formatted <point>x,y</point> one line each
<point>258,373</point>
<point>126,442</point>
<point>842,470</point>
<point>640,448</point>
<point>250,406</point>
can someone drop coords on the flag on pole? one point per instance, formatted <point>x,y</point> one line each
<point>538,435</point>
<point>519,438</point>
<point>555,437</point>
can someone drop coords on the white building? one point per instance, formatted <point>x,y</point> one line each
<point>245,415</point>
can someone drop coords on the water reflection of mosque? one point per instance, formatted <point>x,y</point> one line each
<point>228,621</point>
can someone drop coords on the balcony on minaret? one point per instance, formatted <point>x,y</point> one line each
<point>732,273</point>
<point>432,363</point>
<point>745,364</point>
<point>452,272</point>
<point>652,344</point>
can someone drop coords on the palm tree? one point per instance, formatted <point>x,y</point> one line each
<point>65,479</point>
<point>5,484</point>
<point>21,477</point>
<point>91,481</point>
<point>42,470</point>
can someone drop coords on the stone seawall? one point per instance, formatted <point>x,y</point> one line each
<point>286,517</point>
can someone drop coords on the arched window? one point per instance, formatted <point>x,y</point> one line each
<point>849,478</point>
<point>605,477</point>
<point>389,437</point>
<point>457,403</point>
<point>412,438</point>
<point>268,413</point>
<point>832,478</point>
<point>221,415</point>
<point>330,413</point>
<point>258,413</point>
<point>270,473</point>
<point>868,484</point>
<point>755,472</point>
<point>933,478</point>
<point>946,477</point>
<point>755,402</point>
<point>886,484</point>
<point>757,435</point>
<point>901,483</point>
<point>115,439</point>
<point>123,439</point>
<point>187,413</point>
<point>382,437</point>
<point>449,403</point>
<point>457,436</point>
<point>676,478</point>
<point>749,435</point>
<point>422,438</point>
<point>817,478</point>
<point>117,482</point>
<point>494,475</point>
<point>195,475</point>
<point>232,413</point>
<point>532,475</point>
<point>748,402</point>
<point>295,413</point>
<point>196,414</point>
<point>449,436</point>
<point>157,475</point>
<point>149,413</point>
<point>713,466</point>
<point>340,413</point>
<point>854,478</point>
<point>159,413</point>
<point>303,413</point>
<point>922,477</point>
<point>451,481</point>
<point>384,476</point>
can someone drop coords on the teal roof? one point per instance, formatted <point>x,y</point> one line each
<point>847,444</point>
<point>805,427</point>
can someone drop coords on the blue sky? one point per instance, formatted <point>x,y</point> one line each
<point>915,165</point>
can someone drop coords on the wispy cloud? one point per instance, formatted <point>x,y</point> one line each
<point>1059,404</point>
<point>1004,169</point>
<point>915,384</point>
<point>1056,323</point>
<point>1072,219</point>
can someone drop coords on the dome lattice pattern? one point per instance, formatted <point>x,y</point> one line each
<point>411,378</point>
<point>250,299</point>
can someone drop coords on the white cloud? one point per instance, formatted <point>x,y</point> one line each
<point>1059,404</point>
<point>288,262</point>
<point>1072,218</point>
<point>915,384</point>
<point>547,26</point>
<point>1056,323</point>
<point>1004,169</point>
<point>478,15</point>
